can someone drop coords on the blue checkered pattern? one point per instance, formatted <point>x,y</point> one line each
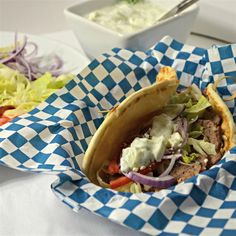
<point>55,135</point>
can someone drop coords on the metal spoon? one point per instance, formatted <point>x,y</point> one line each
<point>178,8</point>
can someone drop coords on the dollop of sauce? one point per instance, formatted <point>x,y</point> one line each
<point>126,18</point>
<point>144,150</point>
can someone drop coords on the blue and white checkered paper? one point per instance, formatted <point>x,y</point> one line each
<point>55,135</point>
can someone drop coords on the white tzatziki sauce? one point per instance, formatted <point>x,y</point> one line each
<point>144,150</point>
<point>126,18</point>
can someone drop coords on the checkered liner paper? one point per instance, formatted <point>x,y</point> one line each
<point>55,135</point>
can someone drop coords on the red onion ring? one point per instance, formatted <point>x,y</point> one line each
<point>6,60</point>
<point>171,165</point>
<point>156,182</point>
<point>182,128</point>
<point>171,156</point>
<point>27,66</point>
<point>34,52</point>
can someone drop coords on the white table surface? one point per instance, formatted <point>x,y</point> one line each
<point>28,206</point>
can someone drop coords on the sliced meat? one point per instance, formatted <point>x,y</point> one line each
<point>212,133</point>
<point>209,114</point>
<point>183,172</point>
<point>213,159</point>
<point>162,166</point>
<point>180,171</point>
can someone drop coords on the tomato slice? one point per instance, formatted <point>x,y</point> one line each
<point>113,167</point>
<point>4,120</point>
<point>5,108</point>
<point>123,180</point>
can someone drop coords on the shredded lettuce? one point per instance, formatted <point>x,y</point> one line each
<point>202,147</point>
<point>173,110</point>
<point>193,100</point>
<point>201,105</point>
<point>130,187</point>
<point>18,91</point>
<point>180,98</point>
<point>196,130</point>
<point>196,92</point>
<point>189,103</point>
<point>189,158</point>
<point>195,134</point>
<point>132,1</point>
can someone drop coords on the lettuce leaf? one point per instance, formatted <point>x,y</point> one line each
<point>196,130</point>
<point>189,158</point>
<point>193,100</point>
<point>201,105</point>
<point>173,110</point>
<point>196,92</point>
<point>18,91</point>
<point>130,187</point>
<point>132,1</point>
<point>180,98</point>
<point>188,96</point>
<point>195,134</point>
<point>202,147</point>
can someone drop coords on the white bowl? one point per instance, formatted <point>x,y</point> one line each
<point>96,39</point>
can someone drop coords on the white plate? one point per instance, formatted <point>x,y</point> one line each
<point>74,61</point>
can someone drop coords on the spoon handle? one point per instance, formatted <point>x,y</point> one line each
<point>182,6</point>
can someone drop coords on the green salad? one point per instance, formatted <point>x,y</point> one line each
<point>26,79</point>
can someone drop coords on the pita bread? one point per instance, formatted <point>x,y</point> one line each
<point>138,109</point>
<point>123,120</point>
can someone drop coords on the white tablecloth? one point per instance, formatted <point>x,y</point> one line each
<point>28,206</point>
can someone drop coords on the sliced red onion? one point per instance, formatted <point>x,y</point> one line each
<point>34,52</point>
<point>27,66</point>
<point>171,156</point>
<point>20,67</point>
<point>58,63</point>
<point>55,67</point>
<point>169,151</point>
<point>16,53</point>
<point>28,63</point>
<point>171,165</point>
<point>56,73</point>
<point>182,128</point>
<point>156,182</point>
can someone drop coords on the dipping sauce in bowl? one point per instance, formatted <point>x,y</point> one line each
<point>126,18</point>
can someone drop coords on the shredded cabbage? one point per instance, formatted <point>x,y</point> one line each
<point>18,91</point>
